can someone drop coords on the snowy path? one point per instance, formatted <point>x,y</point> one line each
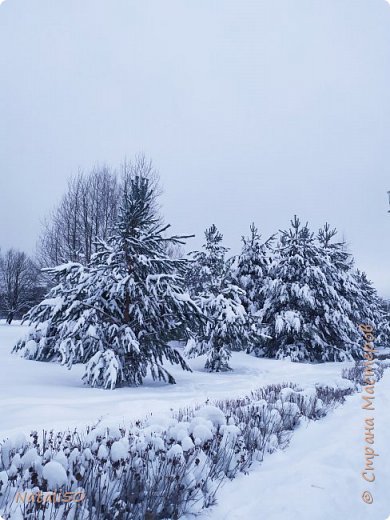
<point>35,395</point>
<point>318,477</point>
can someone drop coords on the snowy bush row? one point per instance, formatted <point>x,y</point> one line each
<point>359,375</point>
<point>155,469</point>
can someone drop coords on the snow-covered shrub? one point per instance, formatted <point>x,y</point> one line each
<point>385,364</point>
<point>383,354</point>
<point>155,469</point>
<point>361,374</point>
<point>330,395</point>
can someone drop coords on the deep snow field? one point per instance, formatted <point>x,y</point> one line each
<point>36,395</point>
<point>317,477</point>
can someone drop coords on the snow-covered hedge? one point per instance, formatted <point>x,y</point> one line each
<point>360,374</point>
<point>154,469</point>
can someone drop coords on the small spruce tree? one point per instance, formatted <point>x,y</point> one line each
<point>252,268</point>
<point>208,267</point>
<point>227,324</point>
<point>249,273</point>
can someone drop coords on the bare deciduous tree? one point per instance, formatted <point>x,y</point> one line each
<point>86,211</point>
<point>19,283</point>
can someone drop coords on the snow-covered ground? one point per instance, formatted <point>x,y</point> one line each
<point>36,395</point>
<point>318,477</point>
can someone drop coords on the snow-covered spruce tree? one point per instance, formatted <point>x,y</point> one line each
<point>132,298</point>
<point>370,309</point>
<point>366,304</point>
<point>250,269</point>
<point>44,340</point>
<point>363,303</point>
<point>208,267</point>
<point>226,328</point>
<point>308,317</point>
<point>348,281</point>
<point>382,331</point>
<point>227,325</point>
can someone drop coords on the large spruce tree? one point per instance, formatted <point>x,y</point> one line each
<point>126,306</point>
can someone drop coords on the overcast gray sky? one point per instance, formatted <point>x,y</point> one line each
<point>250,110</point>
